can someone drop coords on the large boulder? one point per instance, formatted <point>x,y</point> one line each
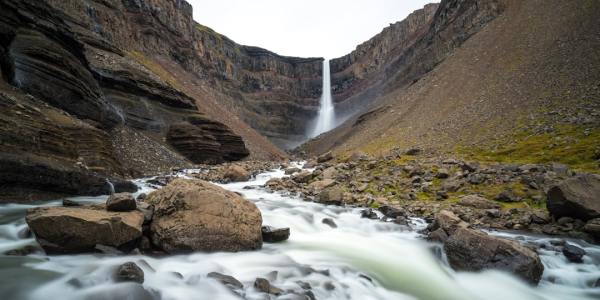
<point>61,230</point>
<point>194,215</point>
<point>474,250</point>
<point>577,197</point>
<point>325,157</point>
<point>120,202</point>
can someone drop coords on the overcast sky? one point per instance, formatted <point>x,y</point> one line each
<point>306,28</point>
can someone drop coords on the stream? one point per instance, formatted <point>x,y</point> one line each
<point>360,259</point>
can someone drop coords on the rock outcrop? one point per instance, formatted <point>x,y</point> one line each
<point>576,197</point>
<point>194,215</point>
<point>62,230</point>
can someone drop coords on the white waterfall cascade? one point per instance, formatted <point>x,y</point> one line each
<point>326,117</point>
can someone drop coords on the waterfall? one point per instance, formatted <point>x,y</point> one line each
<point>111,187</point>
<point>325,119</point>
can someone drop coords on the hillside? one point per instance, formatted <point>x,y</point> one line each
<point>524,88</point>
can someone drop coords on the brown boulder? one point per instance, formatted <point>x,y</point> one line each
<point>75,230</point>
<point>194,215</point>
<point>577,197</point>
<point>325,157</point>
<point>120,202</point>
<point>477,202</point>
<point>236,173</point>
<point>474,250</point>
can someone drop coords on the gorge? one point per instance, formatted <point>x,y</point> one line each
<point>454,155</point>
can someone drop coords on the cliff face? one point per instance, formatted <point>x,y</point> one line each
<point>273,94</point>
<point>402,53</point>
<point>99,89</point>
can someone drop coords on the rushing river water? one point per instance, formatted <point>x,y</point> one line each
<point>360,259</point>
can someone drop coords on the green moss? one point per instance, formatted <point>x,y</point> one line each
<point>568,144</point>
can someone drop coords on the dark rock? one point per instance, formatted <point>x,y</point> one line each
<point>302,177</point>
<point>265,286</point>
<point>141,197</point>
<point>391,212</point>
<point>401,220</point>
<point>573,253</point>
<point>70,203</point>
<point>442,173</point>
<point>413,151</point>
<point>330,222</point>
<point>493,213</point>
<point>369,214</point>
<point>507,196</point>
<point>593,227</point>
<point>226,280</point>
<point>121,202</point>
<point>575,197</point>
<point>129,272</point>
<point>473,250</point>
<point>125,186</point>
<point>438,235</point>
<point>274,235</point>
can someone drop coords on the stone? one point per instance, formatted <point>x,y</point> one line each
<point>391,212</point>
<point>194,215</point>
<point>275,235</point>
<point>449,222</point>
<point>413,151</point>
<point>577,197</point>
<point>265,286</point>
<point>593,227</point>
<point>493,213</point>
<point>226,280</point>
<point>476,201</point>
<point>302,177</point>
<point>330,222</point>
<point>121,202</point>
<point>539,217</point>
<point>331,196</point>
<point>61,230</point>
<point>442,173</point>
<point>236,173</point>
<point>290,171</point>
<point>141,197</point>
<point>473,250</point>
<point>129,272</point>
<point>438,235</point>
<point>507,196</point>
<point>70,203</point>
<point>573,253</point>
<point>452,185</point>
<point>329,173</point>
<point>325,157</point>
<point>369,214</point>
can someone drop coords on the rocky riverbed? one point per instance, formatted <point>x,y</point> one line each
<point>339,249</point>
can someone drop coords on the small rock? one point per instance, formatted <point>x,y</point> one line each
<point>369,214</point>
<point>493,213</point>
<point>413,151</point>
<point>325,157</point>
<point>265,286</point>
<point>226,280</point>
<point>330,222</point>
<point>442,173</point>
<point>70,203</point>
<point>120,202</point>
<point>141,197</point>
<point>274,235</point>
<point>573,253</point>
<point>302,177</point>
<point>507,196</point>
<point>129,272</point>
<point>290,171</point>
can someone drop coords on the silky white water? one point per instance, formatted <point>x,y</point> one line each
<point>360,259</point>
<point>326,117</point>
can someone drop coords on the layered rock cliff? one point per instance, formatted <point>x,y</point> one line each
<point>99,89</point>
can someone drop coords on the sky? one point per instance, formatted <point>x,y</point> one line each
<point>304,28</point>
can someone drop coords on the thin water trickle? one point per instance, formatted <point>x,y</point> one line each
<point>326,117</point>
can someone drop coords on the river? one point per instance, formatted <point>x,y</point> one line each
<point>360,259</point>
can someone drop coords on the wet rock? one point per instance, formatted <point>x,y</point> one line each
<point>23,251</point>
<point>129,272</point>
<point>226,280</point>
<point>125,186</point>
<point>401,220</point>
<point>575,197</point>
<point>573,253</point>
<point>121,202</point>
<point>473,250</point>
<point>290,171</point>
<point>325,157</point>
<point>330,222</point>
<point>275,235</point>
<point>369,214</point>
<point>265,286</point>
<point>74,230</point>
<point>70,203</point>
<point>302,177</point>
<point>391,212</point>
<point>147,210</point>
<point>438,235</point>
<point>194,215</point>
<point>141,197</point>
<point>477,202</point>
<point>236,173</point>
